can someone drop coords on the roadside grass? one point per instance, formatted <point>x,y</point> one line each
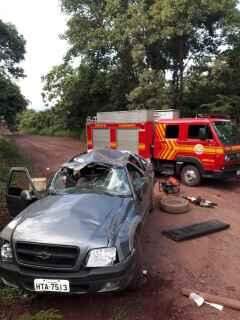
<point>50,314</point>
<point>9,157</point>
<point>120,313</point>
<point>8,296</point>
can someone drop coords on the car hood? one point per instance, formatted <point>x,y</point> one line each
<point>80,220</point>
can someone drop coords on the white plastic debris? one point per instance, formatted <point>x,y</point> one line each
<point>197,299</point>
<point>144,272</point>
<point>215,305</point>
<point>200,301</point>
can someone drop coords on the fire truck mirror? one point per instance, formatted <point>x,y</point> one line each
<point>203,134</point>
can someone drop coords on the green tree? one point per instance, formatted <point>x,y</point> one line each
<point>173,34</point>
<point>148,44</point>
<point>12,50</point>
<point>143,54</point>
<point>11,100</point>
<point>76,93</point>
<point>214,87</point>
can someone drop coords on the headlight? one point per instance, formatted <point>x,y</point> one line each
<point>6,251</point>
<point>101,257</point>
<point>227,157</point>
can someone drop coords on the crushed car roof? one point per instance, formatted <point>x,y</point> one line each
<point>102,156</point>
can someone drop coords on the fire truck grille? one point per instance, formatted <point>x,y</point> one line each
<point>234,156</point>
<point>46,256</point>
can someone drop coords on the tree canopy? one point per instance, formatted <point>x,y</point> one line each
<point>12,50</point>
<point>147,54</point>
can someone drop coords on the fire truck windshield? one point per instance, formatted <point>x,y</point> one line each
<point>227,132</point>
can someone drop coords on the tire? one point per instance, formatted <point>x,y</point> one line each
<point>190,176</point>
<point>174,204</point>
<point>137,277</point>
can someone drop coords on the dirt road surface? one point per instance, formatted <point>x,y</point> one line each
<point>47,154</point>
<point>209,264</point>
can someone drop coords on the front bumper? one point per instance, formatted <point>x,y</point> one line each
<point>226,173</point>
<point>92,280</point>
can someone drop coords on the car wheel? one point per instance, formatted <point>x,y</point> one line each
<point>137,277</point>
<point>174,204</point>
<point>190,175</point>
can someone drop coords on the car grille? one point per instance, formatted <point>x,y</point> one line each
<point>46,256</point>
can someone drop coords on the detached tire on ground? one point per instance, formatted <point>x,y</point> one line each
<point>174,204</point>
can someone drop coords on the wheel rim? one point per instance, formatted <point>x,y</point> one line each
<point>190,176</point>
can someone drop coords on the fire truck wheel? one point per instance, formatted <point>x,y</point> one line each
<point>174,204</point>
<point>190,175</point>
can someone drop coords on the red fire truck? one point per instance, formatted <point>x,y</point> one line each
<point>192,148</point>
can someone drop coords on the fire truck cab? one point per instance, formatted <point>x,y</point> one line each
<point>192,148</point>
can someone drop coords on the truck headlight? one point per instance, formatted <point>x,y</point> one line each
<point>227,157</point>
<point>6,251</point>
<point>102,257</point>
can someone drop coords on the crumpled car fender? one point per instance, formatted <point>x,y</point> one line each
<point>125,240</point>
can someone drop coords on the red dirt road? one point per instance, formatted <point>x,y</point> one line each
<point>210,263</point>
<point>47,154</point>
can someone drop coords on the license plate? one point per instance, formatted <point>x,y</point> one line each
<point>238,173</point>
<point>49,285</point>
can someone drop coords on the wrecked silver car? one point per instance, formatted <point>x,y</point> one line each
<point>83,235</point>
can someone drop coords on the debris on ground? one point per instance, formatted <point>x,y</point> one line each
<point>199,300</point>
<point>199,201</point>
<point>195,230</point>
<point>145,272</point>
<point>216,301</point>
<point>170,185</point>
<point>174,204</point>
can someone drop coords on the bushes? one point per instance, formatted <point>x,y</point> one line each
<point>46,123</point>
<point>43,315</point>
<point>9,157</point>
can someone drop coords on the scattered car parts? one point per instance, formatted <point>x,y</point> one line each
<point>199,201</point>
<point>226,302</point>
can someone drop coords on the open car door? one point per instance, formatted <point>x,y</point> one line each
<point>20,191</point>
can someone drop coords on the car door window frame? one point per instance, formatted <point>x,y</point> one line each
<point>208,128</point>
<point>173,127</point>
<point>22,170</point>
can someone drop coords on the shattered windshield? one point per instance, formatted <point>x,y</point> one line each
<point>227,132</point>
<point>92,178</point>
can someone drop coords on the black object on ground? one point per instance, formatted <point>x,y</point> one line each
<point>195,230</point>
<point>170,186</point>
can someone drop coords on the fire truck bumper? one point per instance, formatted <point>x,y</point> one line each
<point>226,173</point>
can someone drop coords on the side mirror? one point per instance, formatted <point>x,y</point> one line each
<point>26,195</point>
<point>203,134</point>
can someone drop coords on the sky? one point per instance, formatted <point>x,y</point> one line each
<point>40,22</point>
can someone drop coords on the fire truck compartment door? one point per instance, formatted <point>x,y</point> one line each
<point>101,138</point>
<point>128,139</point>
